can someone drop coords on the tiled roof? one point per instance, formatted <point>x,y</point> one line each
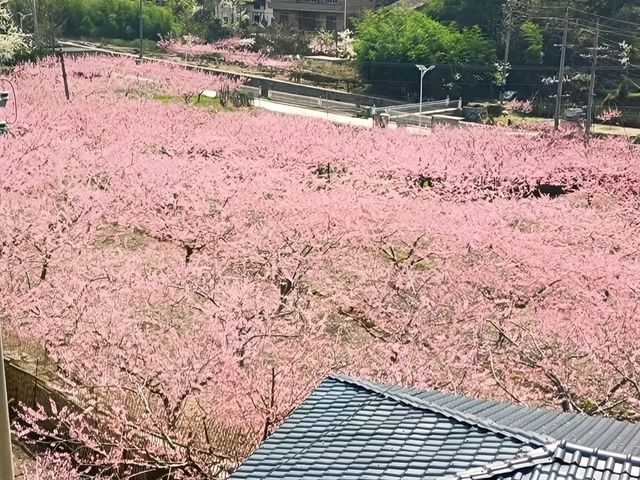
<point>354,429</point>
<point>597,432</point>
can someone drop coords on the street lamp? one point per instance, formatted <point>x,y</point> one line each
<point>22,17</point>
<point>6,463</point>
<point>423,72</point>
<point>140,52</point>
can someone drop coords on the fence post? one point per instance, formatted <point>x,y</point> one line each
<point>6,462</point>
<point>460,103</point>
<point>326,105</point>
<point>35,386</point>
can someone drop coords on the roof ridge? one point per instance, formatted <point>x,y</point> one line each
<point>524,436</point>
<point>544,455</point>
<point>582,449</point>
<point>540,456</point>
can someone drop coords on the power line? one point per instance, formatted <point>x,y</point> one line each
<point>577,10</point>
<point>602,17</point>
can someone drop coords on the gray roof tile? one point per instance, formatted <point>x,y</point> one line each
<point>355,429</point>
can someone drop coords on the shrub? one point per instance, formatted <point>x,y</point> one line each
<point>495,110</point>
<point>523,107</point>
<point>281,40</point>
<point>389,42</point>
<point>115,19</point>
<point>609,115</point>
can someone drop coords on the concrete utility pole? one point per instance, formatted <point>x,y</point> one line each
<point>508,23</point>
<point>6,461</point>
<point>592,85</point>
<point>345,15</point>
<point>563,55</point>
<point>36,35</point>
<point>140,15</point>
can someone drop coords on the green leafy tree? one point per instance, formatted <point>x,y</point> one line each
<point>486,14</point>
<point>114,19</point>
<point>390,41</point>
<point>51,20</point>
<point>532,48</point>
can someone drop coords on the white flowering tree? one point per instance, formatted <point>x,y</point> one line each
<point>12,39</point>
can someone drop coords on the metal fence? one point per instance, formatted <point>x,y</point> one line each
<point>315,103</point>
<point>33,380</point>
<point>409,114</point>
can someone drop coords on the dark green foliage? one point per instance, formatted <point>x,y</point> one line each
<point>487,14</point>
<point>115,19</point>
<point>234,98</point>
<point>623,95</point>
<point>182,9</point>
<point>391,41</point>
<point>203,24</point>
<point>532,35</point>
<point>495,110</point>
<point>282,40</point>
<point>30,54</point>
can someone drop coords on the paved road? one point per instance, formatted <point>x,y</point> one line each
<point>306,112</point>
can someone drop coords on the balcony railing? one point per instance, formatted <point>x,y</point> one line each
<point>334,6</point>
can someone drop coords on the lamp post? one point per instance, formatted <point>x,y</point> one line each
<point>6,462</point>
<point>423,72</point>
<point>22,17</point>
<point>140,14</point>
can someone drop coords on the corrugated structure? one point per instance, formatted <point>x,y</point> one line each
<point>354,429</point>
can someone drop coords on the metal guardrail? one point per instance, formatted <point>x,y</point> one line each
<point>252,91</point>
<point>409,114</point>
<point>415,107</point>
<point>315,103</point>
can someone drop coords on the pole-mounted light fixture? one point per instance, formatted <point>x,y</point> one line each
<point>4,98</point>
<point>423,71</point>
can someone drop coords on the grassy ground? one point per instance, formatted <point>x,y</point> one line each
<point>196,101</point>
<point>616,130</point>
<point>148,46</point>
<point>597,127</point>
<point>518,120</point>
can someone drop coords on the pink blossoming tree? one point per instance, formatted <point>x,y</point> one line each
<point>610,115</point>
<point>193,274</point>
<point>231,50</point>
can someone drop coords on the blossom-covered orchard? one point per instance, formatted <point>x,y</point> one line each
<point>231,50</point>
<point>198,267</point>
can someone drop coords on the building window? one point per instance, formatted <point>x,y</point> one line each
<point>284,19</point>
<point>332,1</point>
<point>256,18</point>
<point>307,21</point>
<point>331,23</point>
